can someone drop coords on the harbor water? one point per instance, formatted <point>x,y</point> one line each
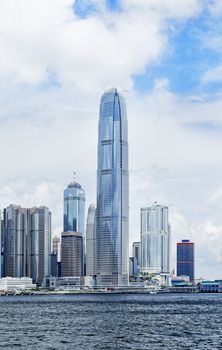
<point>110,321</point>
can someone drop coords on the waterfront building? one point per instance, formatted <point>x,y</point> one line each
<point>137,252</point>
<point>74,208</point>
<point>72,254</point>
<point>39,244</point>
<point>212,286</point>
<point>180,281</point>
<point>155,240</point>
<point>90,241</point>
<point>185,259</point>
<point>63,283</point>
<point>14,231</point>
<point>112,214</point>
<point>13,284</point>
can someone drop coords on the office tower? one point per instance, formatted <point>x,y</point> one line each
<point>185,259</point>
<point>54,265</point>
<point>90,241</point>
<point>55,245</point>
<point>15,228</point>
<point>39,244</point>
<point>136,252</point>
<point>55,256</point>
<point>74,221</point>
<point>112,214</point>
<point>74,208</point>
<point>133,266</point>
<point>72,254</point>
<point>155,240</point>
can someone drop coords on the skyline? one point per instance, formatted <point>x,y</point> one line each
<point>50,97</point>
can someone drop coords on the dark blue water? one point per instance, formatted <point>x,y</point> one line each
<point>111,322</point>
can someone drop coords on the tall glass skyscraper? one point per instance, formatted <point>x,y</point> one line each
<point>39,244</point>
<point>74,224</point>
<point>112,214</point>
<point>74,208</point>
<point>15,229</point>
<point>155,240</point>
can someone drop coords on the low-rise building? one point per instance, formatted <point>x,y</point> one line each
<point>211,286</point>
<point>14,283</point>
<point>63,283</point>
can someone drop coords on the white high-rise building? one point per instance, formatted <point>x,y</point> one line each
<point>90,241</point>
<point>155,240</point>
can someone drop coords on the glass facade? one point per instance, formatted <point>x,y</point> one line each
<point>72,254</point>
<point>74,208</point>
<point>39,244</point>
<point>15,228</point>
<point>137,252</point>
<point>155,240</point>
<point>185,259</point>
<point>112,214</point>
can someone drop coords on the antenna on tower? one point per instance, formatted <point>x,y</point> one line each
<point>74,176</point>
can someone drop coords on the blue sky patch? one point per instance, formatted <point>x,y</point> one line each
<point>185,61</point>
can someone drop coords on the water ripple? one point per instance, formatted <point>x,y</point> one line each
<point>136,322</point>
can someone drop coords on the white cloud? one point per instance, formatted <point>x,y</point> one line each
<point>38,38</point>
<point>213,75</point>
<point>216,7</point>
<point>166,8</point>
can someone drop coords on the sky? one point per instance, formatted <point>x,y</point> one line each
<point>57,58</point>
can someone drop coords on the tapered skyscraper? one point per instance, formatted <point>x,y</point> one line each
<point>112,215</point>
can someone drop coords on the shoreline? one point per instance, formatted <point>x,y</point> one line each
<point>96,292</point>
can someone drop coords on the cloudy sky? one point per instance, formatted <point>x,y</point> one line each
<point>56,59</point>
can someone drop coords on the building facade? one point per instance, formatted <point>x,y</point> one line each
<point>14,236</point>
<point>112,214</point>
<point>91,242</point>
<point>72,254</point>
<point>133,266</point>
<point>74,208</point>
<point>185,259</point>
<point>137,252</point>
<point>55,245</point>
<point>155,240</point>
<point>39,244</point>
